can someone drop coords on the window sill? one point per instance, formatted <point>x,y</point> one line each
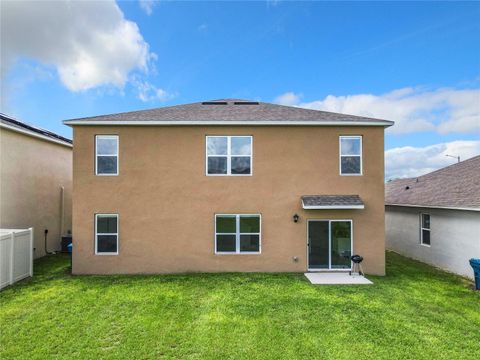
<point>106,254</point>
<point>226,175</point>
<point>426,245</point>
<point>240,253</point>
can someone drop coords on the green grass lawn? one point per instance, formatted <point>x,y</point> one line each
<point>415,312</point>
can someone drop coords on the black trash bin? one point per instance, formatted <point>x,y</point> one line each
<point>66,240</point>
<point>475,264</point>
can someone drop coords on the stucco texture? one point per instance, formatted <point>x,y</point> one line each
<point>454,236</point>
<point>32,172</point>
<point>166,203</point>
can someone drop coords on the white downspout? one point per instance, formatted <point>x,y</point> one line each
<point>62,208</point>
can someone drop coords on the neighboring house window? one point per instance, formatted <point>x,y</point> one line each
<point>106,151</point>
<point>106,234</point>
<point>350,155</point>
<point>229,155</point>
<point>425,229</point>
<point>237,234</point>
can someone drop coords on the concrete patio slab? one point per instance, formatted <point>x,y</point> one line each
<point>339,278</point>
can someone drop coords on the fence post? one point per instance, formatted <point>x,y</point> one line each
<point>31,252</point>
<point>12,242</point>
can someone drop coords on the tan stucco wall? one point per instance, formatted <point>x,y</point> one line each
<point>166,204</point>
<point>32,172</point>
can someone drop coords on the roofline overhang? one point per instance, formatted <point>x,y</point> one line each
<point>435,207</point>
<point>35,135</point>
<point>384,123</point>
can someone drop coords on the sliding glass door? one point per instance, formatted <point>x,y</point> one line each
<point>318,244</point>
<point>341,240</point>
<point>329,244</point>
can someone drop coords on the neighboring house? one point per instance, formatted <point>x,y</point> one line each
<point>227,185</point>
<point>35,182</point>
<point>435,218</point>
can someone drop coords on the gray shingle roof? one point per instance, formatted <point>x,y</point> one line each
<point>234,111</point>
<point>332,201</point>
<point>455,186</point>
<point>17,124</point>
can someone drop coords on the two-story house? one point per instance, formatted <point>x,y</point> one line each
<point>35,184</point>
<point>227,185</point>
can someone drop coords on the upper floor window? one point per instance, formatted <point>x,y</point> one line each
<point>106,155</point>
<point>350,155</point>
<point>106,234</point>
<point>425,229</point>
<point>229,155</point>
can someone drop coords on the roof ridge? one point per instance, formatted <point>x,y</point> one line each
<point>456,185</point>
<point>448,167</point>
<point>230,99</point>
<point>199,113</point>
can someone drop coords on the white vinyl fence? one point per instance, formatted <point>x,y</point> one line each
<point>16,255</point>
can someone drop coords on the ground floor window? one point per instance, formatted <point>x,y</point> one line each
<point>106,234</point>
<point>425,229</point>
<point>237,233</point>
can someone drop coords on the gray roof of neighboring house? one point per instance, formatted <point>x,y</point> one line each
<point>229,112</point>
<point>20,126</point>
<point>455,186</point>
<point>332,201</point>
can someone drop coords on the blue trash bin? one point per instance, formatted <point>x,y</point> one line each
<point>70,248</point>
<point>475,264</point>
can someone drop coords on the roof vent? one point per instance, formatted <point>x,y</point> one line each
<point>214,103</point>
<point>245,102</point>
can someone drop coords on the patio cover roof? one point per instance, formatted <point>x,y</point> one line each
<point>319,202</point>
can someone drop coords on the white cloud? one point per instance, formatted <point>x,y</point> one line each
<point>148,92</point>
<point>272,3</point>
<point>202,27</point>
<point>411,161</point>
<point>89,43</point>
<point>147,6</point>
<point>288,98</point>
<point>443,110</point>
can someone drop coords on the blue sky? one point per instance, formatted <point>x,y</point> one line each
<point>415,63</point>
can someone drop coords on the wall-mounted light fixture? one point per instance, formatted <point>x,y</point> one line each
<point>295,218</point>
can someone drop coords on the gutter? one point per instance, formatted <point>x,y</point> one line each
<point>435,207</point>
<point>384,123</point>
<point>333,207</point>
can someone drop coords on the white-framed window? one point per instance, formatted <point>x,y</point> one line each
<point>425,229</point>
<point>106,234</point>
<point>238,234</point>
<point>350,155</point>
<point>106,155</point>
<point>229,155</point>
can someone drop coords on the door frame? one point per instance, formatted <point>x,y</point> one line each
<point>329,269</point>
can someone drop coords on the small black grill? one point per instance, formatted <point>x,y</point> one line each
<point>357,265</point>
